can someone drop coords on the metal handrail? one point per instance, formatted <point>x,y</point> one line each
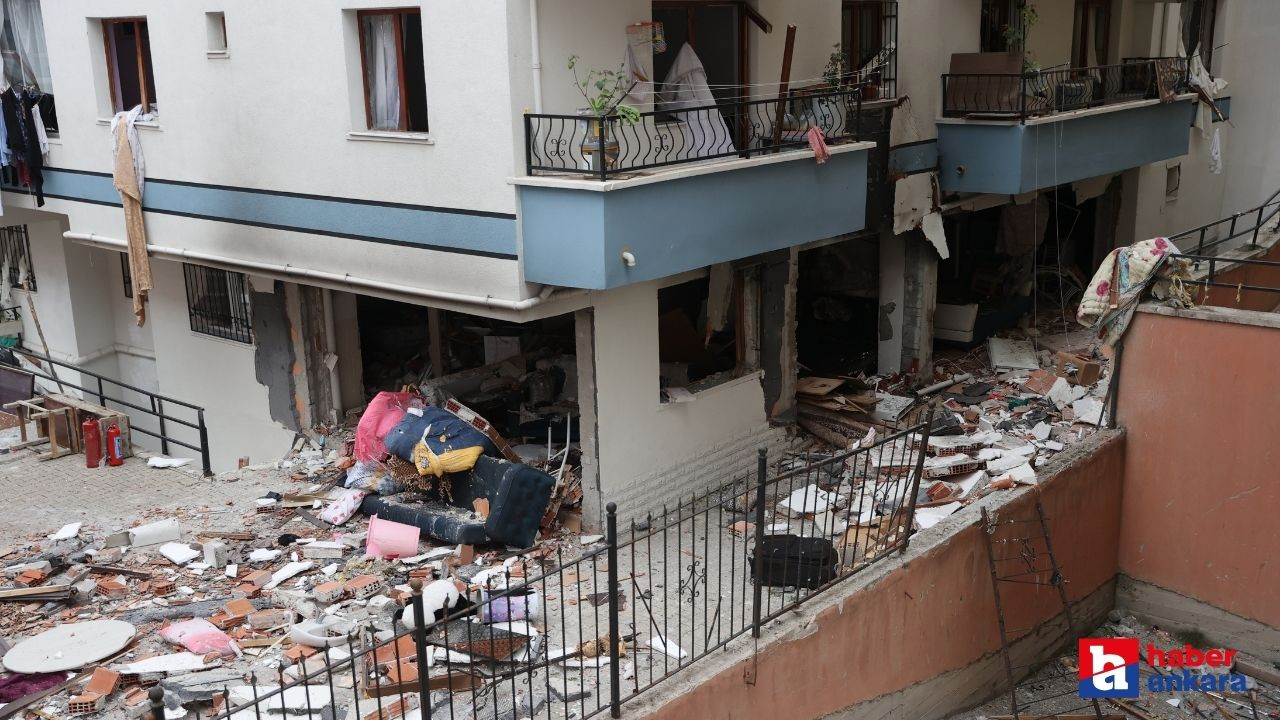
<point>1264,213</point>
<point>156,407</point>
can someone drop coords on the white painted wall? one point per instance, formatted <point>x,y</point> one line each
<point>276,112</point>
<point>213,373</point>
<point>638,434</point>
<point>1252,158</point>
<point>928,34</point>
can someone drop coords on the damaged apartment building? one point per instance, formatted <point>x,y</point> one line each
<point>355,196</point>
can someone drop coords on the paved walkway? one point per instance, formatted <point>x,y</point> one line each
<point>41,496</point>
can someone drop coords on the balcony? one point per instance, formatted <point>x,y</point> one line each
<point>1013,132</point>
<point>608,203</point>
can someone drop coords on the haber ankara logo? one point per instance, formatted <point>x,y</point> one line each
<point>1108,667</point>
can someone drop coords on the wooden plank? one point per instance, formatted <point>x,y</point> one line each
<point>116,570</point>
<point>818,386</point>
<point>226,535</point>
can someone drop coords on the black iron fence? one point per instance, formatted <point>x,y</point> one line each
<point>579,633</point>
<point>1042,92</point>
<point>605,147</point>
<point>142,403</point>
<point>1244,223</point>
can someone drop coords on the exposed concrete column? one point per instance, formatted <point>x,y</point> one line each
<point>778,333</point>
<point>346,326</point>
<point>893,265</point>
<point>588,426</point>
<point>919,301</point>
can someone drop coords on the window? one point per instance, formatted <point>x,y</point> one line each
<point>218,302</point>
<point>126,275</point>
<point>395,81</point>
<point>1198,20</point>
<point>15,251</point>
<point>708,331</point>
<point>996,17</point>
<point>717,31</point>
<point>129,64</point>
<point>216,29</point>
<point>861,31</point>
<point>1093,33</point>
<point>23,53</point>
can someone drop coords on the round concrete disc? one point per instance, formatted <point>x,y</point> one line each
<point>69,646</point>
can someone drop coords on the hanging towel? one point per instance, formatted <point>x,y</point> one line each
<point>128,178</point>
<point>819,145</point>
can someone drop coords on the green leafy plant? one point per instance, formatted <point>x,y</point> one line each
<point>604,91</point>
<point>1016,33</point>
<point>837,70</point>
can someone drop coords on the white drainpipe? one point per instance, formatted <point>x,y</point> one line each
<point>535,56</point>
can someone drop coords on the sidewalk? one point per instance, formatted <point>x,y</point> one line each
<point>41,496</point>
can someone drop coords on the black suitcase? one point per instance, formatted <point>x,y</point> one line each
<point>795,561</point>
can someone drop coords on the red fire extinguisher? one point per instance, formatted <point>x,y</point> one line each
<point>92,443</point>
<point>115,446</point>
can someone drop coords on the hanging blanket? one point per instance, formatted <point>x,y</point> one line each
<point>1112,296</point>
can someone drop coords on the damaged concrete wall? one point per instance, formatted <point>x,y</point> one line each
<point>1197,398</point>
<point>651,452</point>
<point>919,301</point>
<point>273,358</point>
<point>778,333</point>
<point>917,638</point>
<point>219,375</point>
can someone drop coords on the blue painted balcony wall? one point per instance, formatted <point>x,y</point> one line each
<point>574,232</point>
<point>1009,158</point>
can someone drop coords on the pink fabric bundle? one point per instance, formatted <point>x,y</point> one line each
<point>818,142</point>
<point>385,410</point>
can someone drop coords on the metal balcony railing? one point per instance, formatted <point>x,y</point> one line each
<point>1043,92</point>
<point>608,147</point>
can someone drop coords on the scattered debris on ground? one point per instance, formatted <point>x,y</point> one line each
<point>1053,688</point>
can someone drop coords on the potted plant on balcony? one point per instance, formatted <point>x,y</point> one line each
<point>604,91</point>
<point>1016,33</point>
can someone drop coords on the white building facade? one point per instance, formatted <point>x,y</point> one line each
<point>347,195</point>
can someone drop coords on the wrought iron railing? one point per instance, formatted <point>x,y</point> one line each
<point>1043,92</point>
<point>610,146</point>
<point>649,601</point>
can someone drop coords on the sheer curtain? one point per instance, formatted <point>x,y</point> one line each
<point>382,70</point>
<point>26,27</point>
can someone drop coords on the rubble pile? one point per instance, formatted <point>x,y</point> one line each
<point>203,602</point>
<point>996,419</point>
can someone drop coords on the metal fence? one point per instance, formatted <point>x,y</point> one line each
<point>609,146</point>
<point>1041,92</point>
<point>157,406</point>
<point>661,594</point>
<point>1246,222</point>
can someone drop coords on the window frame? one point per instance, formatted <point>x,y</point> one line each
<point>1204,21</point>
<point>126,275</point>
<point>15,245</point>
<point>142,58</point>
<point>401,75</point>
<point>236,324</point>
<point>851,22</point>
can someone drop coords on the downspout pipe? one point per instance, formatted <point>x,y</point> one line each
<point>344,280</point>
<point>535,56</point>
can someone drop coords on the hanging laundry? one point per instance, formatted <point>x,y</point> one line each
<point>22,137</point>
<point>129,175</point>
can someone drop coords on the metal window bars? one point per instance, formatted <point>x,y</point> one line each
<point>661,594</point>
<point>1043,92</point>
<point>218,302</point>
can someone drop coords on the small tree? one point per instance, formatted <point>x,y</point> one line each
<point>604,91</point>
<point>1016,33</point>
